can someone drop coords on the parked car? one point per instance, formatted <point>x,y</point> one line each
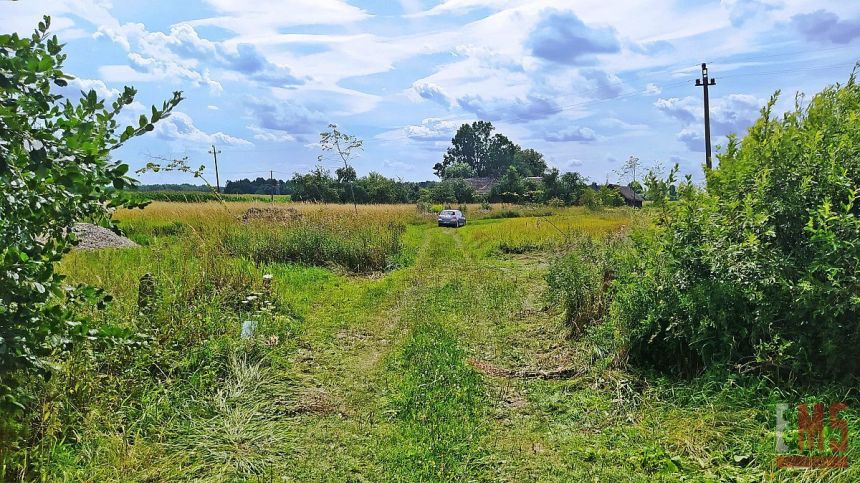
<point>454,218</point>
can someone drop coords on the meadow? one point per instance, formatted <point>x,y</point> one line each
<point>385,349</point>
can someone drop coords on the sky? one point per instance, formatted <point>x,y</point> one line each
<point>588,83</point>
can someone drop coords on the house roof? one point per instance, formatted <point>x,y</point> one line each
<point>481,185</point>
<point>626,192</point>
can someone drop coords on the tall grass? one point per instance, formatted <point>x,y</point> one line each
<point>546,231</point>
<point>357,247</point>
<point>362,241</point>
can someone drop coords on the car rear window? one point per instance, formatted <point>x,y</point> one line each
<point>448,212</point>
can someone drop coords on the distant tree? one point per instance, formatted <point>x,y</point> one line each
<point>452,190</point>
<point>487,154</point>
<point>659,190</point>
<point>471,146</point>
<point>344,146</point>
<point>591,199</point>
<point>610,196</point>
<point>552,185</point>
<point>345,174</point>
<point>530,162</point>
<point>318,185</point>
<point>572,187</point>
<point>503,153</point>
<point>510,188</point>
<point>629,169</point>
<point>459,169</point>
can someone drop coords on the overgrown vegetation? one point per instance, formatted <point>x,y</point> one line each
<point>359,246</point>
<point>55,170</point>
<point>259,354</point>
<point>759,270</point>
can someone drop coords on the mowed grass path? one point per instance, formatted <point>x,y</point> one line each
<point>445,372</point>
<point>451,369</point>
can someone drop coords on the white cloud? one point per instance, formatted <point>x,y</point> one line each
<point>733,113</point>
<point>76,85</point>
<point>179,127</point>
<point>251,19</point>
<point>271,135</point>
<point>652,90</point>
<point>432,129</point>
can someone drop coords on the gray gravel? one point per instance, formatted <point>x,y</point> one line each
<point>93,237</point>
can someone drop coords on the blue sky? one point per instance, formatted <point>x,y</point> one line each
<point>586,82</point>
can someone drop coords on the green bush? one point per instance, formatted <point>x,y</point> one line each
<point>55,170</point>
<point>505,213</point>
<point>761,269</point>
<point>591,200</point>
<point>579,280</point>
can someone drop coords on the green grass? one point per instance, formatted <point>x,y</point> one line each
<point>405,375</point>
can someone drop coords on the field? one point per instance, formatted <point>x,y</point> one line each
<point>386,349</point>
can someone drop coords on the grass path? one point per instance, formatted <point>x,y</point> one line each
<point>386,367</point>
<point>389,369</point>
<point>440,371</point>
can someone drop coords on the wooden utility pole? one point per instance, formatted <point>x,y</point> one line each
<point>705,82</point>
<point>272,180</point>
<point>214,152</point>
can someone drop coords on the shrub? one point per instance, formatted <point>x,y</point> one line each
<point>504,214</point>
<point>761,268</point>
<point>55,170</point>
<point>590,199</point>
<point>579,280</point>
<point>610,196</point>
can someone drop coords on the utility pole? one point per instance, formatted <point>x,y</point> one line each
<point>705,82</point>
<point>272,180</point>
<point>214,152</point>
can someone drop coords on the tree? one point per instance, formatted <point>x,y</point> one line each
<point>511,188</point>
<point>55,170</point>
<point>530,162</point>
<point>459,169</point>
<point>610,196</point>
<point>573,186</point>
<point>318,185</point>
<point>343,145</point>
<point>591,200</point>
<point>628,170</point>
<point>486,154</point>
<point>471,146</point>
<point>502,154</point>
<point>452,190</point>
<point>345,174</point>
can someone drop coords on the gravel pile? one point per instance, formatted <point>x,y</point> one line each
<point>93,237</point>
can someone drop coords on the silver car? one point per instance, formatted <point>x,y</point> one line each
<point>454,218</point>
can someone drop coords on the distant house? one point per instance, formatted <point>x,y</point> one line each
<point>482,186</point>
<point>626,192</point>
